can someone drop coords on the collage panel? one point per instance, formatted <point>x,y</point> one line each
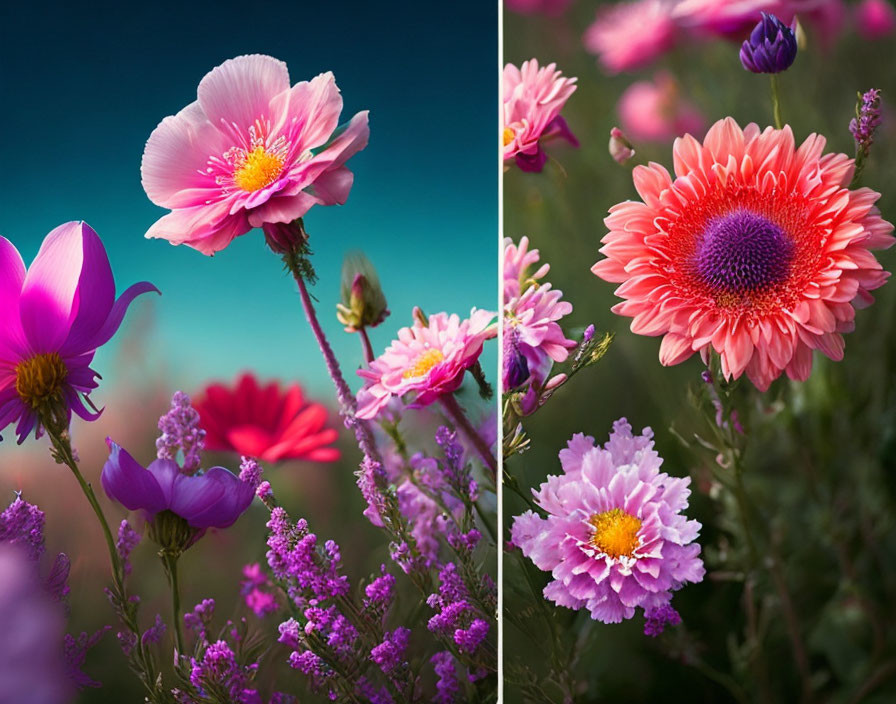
<point>257,466</point>
<point>698,351</point>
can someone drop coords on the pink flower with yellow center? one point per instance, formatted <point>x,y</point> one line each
<point>630,35</point>
<point>533,99</point>
<point>614,538</point>
<point>427,361</point>
<point>251,151</point>
<point>756,249</point>
<point>53,317</point>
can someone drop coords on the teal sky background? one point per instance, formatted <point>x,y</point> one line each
<point>83,88</point>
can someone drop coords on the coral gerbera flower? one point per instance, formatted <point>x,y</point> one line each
<point>269,422</point>
<point>614,538</point>
<point>427,360</point>
<point>533,99</point>
<point>53,317</point>
<point>757,249</point>
<point>250,151</point>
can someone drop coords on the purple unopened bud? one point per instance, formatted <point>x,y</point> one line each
<point>589,333</point>
<point>285,237</point>
<point>515,371</point>
<point>771,47</point>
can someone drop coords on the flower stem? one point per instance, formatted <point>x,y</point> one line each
<point>776,102</point>
<point>347,403</point>
<point>457,415</point>
<point>365,345</point>
<point>169,561</point>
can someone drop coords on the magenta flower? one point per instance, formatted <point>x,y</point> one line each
<point>533,99</point>
<point>53,317</point>
<point>631,35</point>
<point>655,111</point>
<point>533,340</point>
<point>724,17</point>
<point>250,151</point>
<point>614,538</point>
<point>426,361</point>
<point>214,498</point>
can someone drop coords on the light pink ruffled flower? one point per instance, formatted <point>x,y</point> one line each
<point>533,99</point>
<point>654,111</point>
<point>875,19</point>
<point>531,7</point>
<point>629,35</point>
<point>533,340</point>
<point>250,151</point>
<point>756,249</point>
<point>426,361</point>
<point>614,539</point>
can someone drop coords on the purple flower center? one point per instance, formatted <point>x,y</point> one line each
<point>742,252</point>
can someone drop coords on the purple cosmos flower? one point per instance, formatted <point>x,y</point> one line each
<point>53,317</point>
<point>614,538</point>
<point>771,47</point>
<point>214,498</point>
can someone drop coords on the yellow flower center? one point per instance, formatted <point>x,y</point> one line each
<point>423,363</point>
<point>509,134</point>
<point>39,379</point>
<point>615,532</point>
<point>257,168</point>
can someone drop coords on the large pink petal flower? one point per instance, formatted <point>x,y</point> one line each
<point>756,249</point>
<point>249,152</point>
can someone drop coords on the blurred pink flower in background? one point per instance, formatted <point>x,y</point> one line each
<point>757,250</point>
<point>875,19</point>
<point>427,360</point>
<point>250,150</point>
<point>631,35</point>
<point>266,422</point>
<point>533,99</point>
<point>531,7</point>
<point>727,18</point>
<point>53,317</point>
<point>654,111</point>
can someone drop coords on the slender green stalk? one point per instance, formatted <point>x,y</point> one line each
<point>169,561</point>
<point>776,102</point>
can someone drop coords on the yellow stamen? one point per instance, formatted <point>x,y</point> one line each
<point>615,532</point>
<point>423,363</point>
<point>39,379</point>
<point>257,169</point>
<point>509,134</point>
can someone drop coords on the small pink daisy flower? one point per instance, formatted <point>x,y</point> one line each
<point>630,35</point>
<point>655,111</point>
<point>614,538</point>
<point>250,151</point>
<point>533,99</point>
<point>533,340</point>
<point>757,249</point>
<point>427,360</point>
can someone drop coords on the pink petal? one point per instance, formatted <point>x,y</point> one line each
<point>176,156</point>
<point>313,108</point>
<point>240,90</point>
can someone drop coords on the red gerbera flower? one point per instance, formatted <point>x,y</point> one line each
<point>265,422</point>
